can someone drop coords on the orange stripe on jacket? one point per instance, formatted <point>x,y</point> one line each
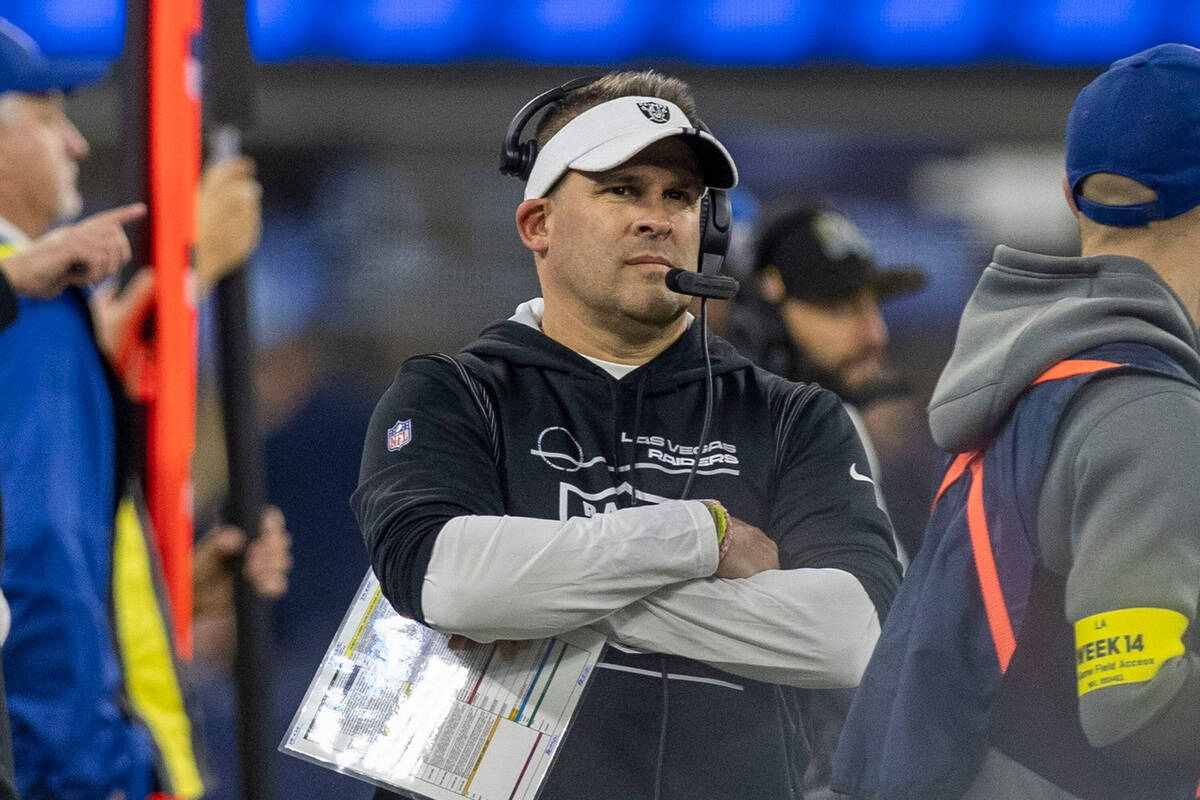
<point>999,620</point>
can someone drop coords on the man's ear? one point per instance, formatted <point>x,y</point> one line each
<point>531,224</point>
<point>1067,193</point>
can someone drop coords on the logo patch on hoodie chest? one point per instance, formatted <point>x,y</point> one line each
<point>654,457</point>
<point>716,457</point>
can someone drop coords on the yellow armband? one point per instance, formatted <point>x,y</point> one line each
<point>1128,645</point>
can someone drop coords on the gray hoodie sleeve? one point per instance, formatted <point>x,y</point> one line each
<point>1119,514</point>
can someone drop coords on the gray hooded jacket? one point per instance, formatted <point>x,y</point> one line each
<point>1119,510</point>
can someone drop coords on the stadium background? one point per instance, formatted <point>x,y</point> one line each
<point>934,124</point>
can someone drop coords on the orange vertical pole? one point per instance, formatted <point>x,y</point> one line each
<point>174,149</point>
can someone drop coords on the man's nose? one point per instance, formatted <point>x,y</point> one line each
<point>874,328</point>
<point>77,145</point>
<point>654,219</point>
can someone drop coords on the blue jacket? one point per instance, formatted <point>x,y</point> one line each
<point>976,644</point>
<point>71,739</point>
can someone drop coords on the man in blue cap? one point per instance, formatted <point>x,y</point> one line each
<point>43,151</point>
<point>38,151</point>
<point>83,726</point>
<point>1044,643</point>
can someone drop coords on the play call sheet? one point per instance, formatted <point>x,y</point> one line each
<point>392,704</point>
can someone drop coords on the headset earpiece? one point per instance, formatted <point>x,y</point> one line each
<point>517,157</point>
<point>519,162</point>
<point>716,222</point>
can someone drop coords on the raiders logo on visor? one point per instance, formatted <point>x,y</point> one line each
<point>655,112</point>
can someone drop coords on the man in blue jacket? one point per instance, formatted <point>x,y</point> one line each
<point>74,736</point>
<point>74,256</point>
<point>1044,643</point>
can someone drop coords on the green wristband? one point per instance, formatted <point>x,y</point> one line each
<point>719,516</point>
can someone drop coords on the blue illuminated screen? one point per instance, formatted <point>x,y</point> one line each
<point>719,32</point>
<point>711,32</point>
<point>89,29</point>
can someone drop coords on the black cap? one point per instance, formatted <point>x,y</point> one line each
<point>821,255</point>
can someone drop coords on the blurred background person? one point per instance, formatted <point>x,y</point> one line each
<point>809,311</point>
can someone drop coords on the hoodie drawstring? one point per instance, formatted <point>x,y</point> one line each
<point>637,424</point>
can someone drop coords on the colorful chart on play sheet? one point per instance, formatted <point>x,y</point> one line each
<point>392,704</point>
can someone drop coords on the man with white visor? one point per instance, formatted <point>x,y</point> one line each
<point>599,460</point>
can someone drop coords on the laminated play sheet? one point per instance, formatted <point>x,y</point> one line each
<point>392,704</point>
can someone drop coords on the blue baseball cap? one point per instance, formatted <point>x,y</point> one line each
<point>1140,119</point>
<point>23,68</point>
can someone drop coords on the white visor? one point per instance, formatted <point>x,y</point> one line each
<point>608,135</point>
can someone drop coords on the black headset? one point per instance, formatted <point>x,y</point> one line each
<point>716,214</point>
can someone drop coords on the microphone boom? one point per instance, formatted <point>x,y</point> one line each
<point>713,287</point>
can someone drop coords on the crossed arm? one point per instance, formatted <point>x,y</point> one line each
<point>647,576</point>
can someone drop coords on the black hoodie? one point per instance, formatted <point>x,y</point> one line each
<point>549,435</point>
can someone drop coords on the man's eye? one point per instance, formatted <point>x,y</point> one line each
<point>618,190</point>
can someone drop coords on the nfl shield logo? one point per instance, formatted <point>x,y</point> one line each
<point>399,434</point>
